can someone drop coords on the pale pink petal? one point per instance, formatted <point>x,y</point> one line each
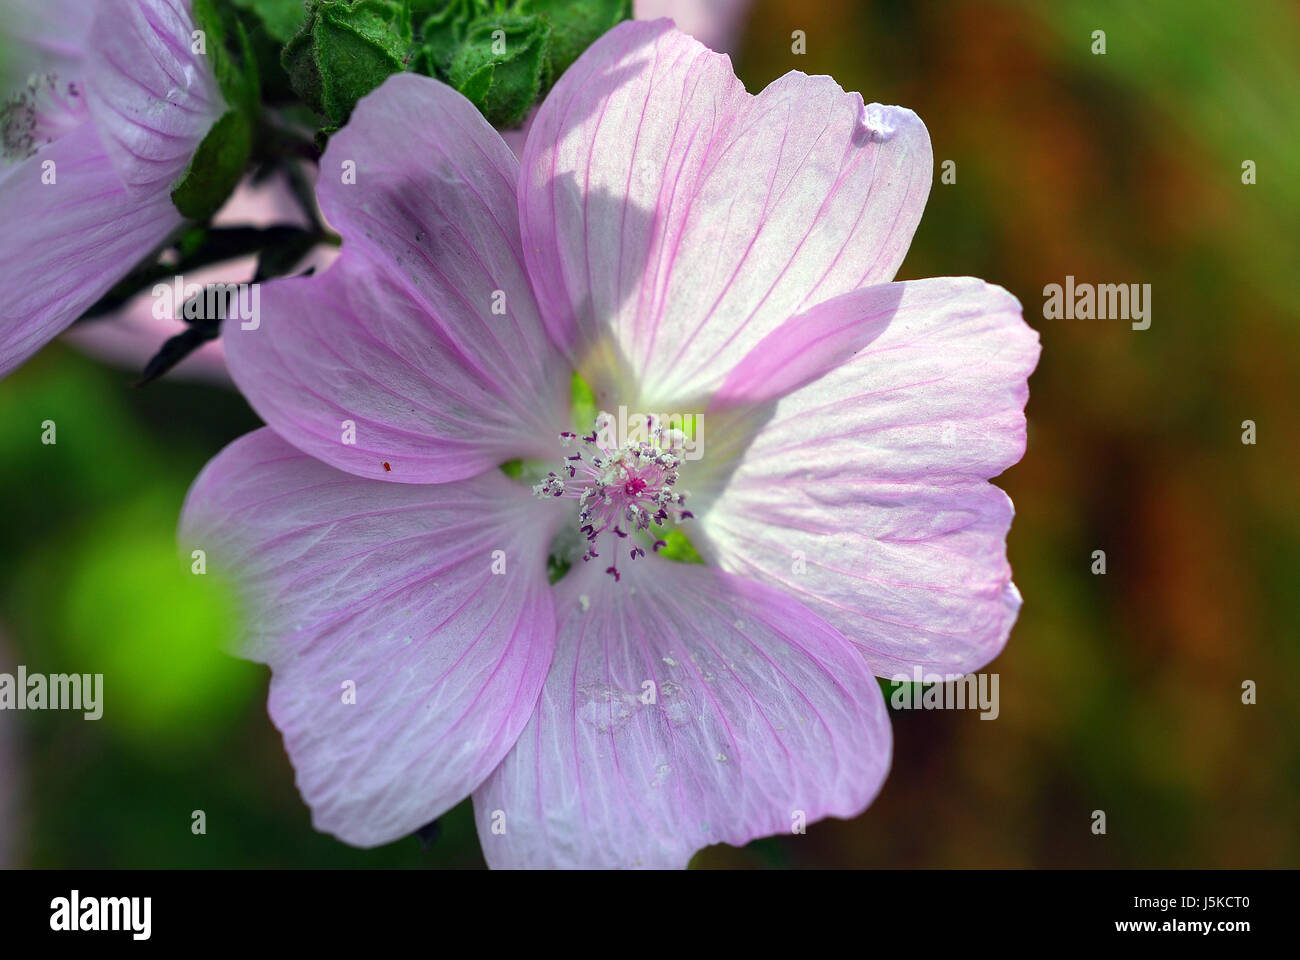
<point>389,588</point>
<point>715,23</point>
<point>349,368</point>
<point>685,707</point>
<point>425,333</point>
<point>152,98</point>
<point>864,493</point>
<point>67,242</point>
<point>671,221</point>
<point>806,347</point>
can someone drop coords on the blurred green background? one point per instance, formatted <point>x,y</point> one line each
<point>1119,692</point>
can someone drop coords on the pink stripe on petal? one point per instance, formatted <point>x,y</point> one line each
<point>685,707</point>
<point>434,202</point>
<point>612,159</point>
<point>391,589</point>
<point>425,333</point>
<point>810,345</point>
<point>672,221</point>
<point>349,368</point>
<point>864,492</point>
<point>152,98</point>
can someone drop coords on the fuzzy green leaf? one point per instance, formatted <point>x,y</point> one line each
<point>282,18</point>
<point>502,66</point>
<point>216,168</point>
<point>576,25</point>
<point>345,49</point>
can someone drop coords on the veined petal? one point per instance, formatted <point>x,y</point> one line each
<point>671,221</point>
<point>406,654</point>
<point>864,492</point>
<point>68,241</point>
<point>152,98</point>
<point>685,707</point>
<point>425,333</point>
<point>349,368</point>
<point>807,347</point>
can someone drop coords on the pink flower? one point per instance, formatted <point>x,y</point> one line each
<point>688,248</point>
<point>94,145</point>
<point>134,334</point>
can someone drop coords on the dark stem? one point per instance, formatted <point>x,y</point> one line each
<point>217,245</point>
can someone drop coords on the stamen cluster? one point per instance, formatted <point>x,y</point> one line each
<point>620,489</point>
<point>39,113</point>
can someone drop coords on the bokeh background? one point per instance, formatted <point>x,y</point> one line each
<point>1119,692</point>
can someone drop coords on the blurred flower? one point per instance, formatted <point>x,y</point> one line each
<point>39,36</point>
<point>715,23</point>
<point>95,145</point>
<point>686,247</point>
<point>134,334</point>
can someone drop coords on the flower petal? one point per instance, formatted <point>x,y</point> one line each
<point>68,241</point>
<point>425,333</point>
<point>671,221</point>
<point>151,96</point>
<point>807,347</point>
<point>864,493</point>
<point>762,717</point>
<point>389,588</point>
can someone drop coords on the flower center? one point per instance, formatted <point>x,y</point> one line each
<point>621,489</point>
<point>38,114</point>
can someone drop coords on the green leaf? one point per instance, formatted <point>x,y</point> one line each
<point>283,18</point>
<point>218,163</point>
<point>231,55</point>
<point>216,167</point>
<point>556,568</point>
<point>503,65</point>
<point>679,547</point>
<point>444,26</point>
<point>267,47</point>
<point>347,48</point>
<point>576,25</point>
<point>584,405</point>
<point>505,54</point>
